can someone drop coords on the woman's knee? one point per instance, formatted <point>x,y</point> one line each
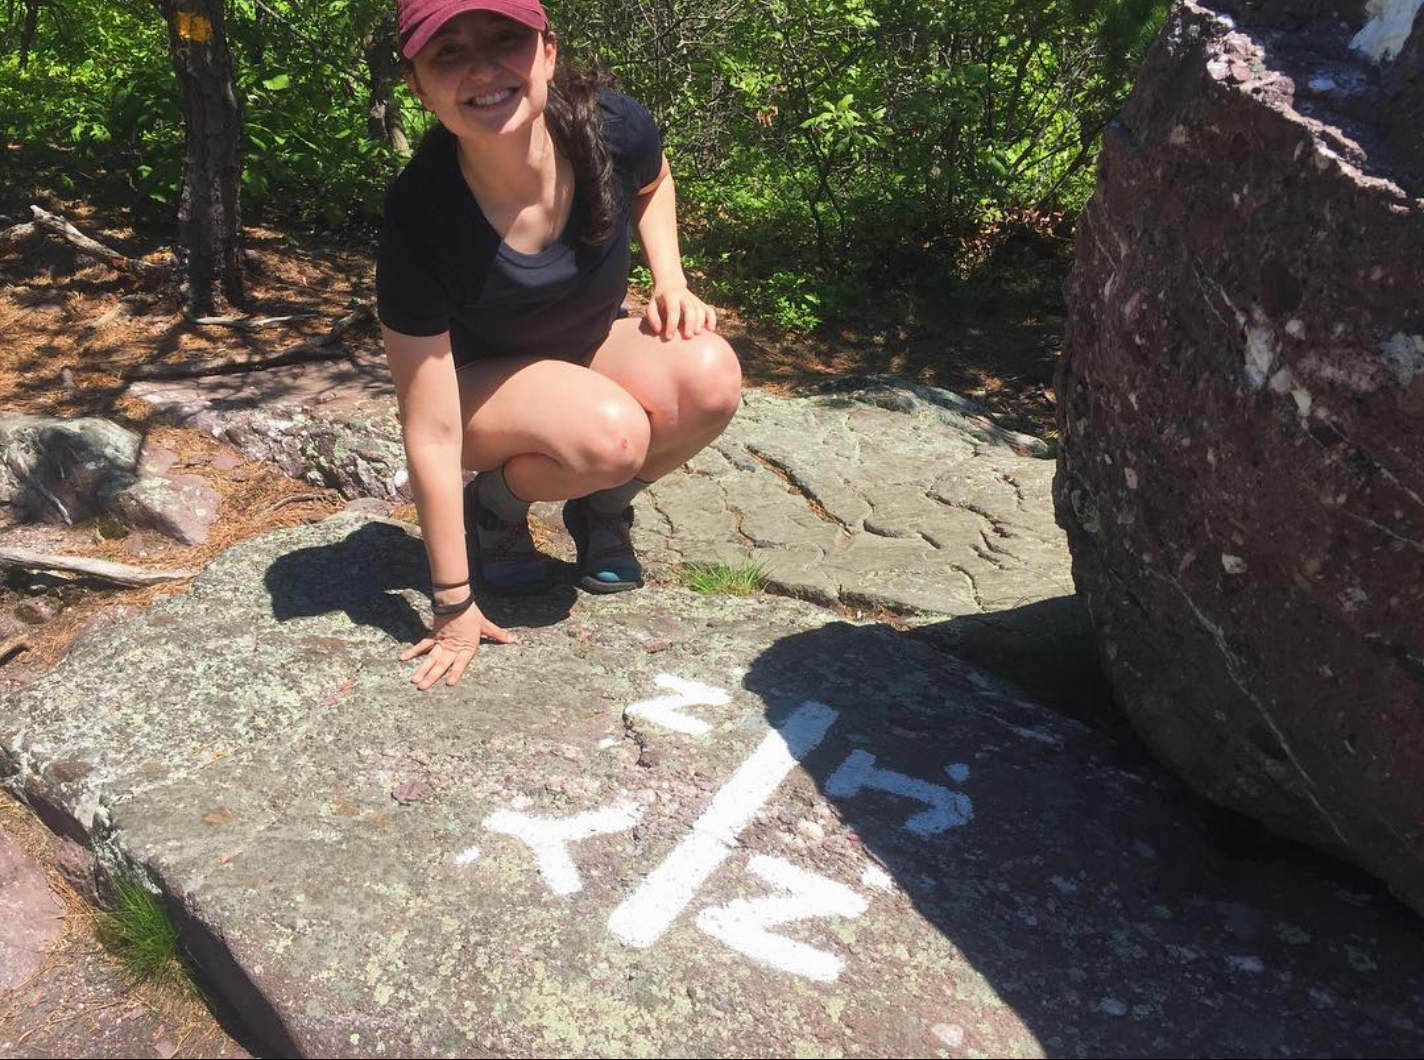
<point>611,444</point>
<point>712,382</point>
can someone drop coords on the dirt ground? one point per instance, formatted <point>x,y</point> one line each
<point>69,328</point>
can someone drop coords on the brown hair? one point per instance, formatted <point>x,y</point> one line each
<point>576,124</point>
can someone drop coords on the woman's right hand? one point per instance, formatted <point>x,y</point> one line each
<point>451,644</point>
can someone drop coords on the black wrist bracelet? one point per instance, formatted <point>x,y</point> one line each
<point>453,609</point>
<point>437,586</point>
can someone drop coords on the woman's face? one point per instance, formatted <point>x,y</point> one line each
<point>483,74</point>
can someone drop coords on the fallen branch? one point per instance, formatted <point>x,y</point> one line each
<point>310,350</point>
<point>119,573</point>
<point>245,323</point>
<point>295,498</point>
<point>60,226</point>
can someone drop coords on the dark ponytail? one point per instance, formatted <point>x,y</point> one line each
<point>576,124</point>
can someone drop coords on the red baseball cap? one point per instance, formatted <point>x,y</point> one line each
<point>419,20</point>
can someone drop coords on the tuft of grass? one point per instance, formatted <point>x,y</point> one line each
<point>731,579</point>
<point>138,932</point>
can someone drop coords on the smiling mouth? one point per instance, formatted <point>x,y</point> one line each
<point>490,99</point>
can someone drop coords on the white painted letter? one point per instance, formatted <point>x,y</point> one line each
<point>549,838</point>
<point>667,710</point>
<point>947,809</point>
<point>648,911</point>
<point>743,925</point>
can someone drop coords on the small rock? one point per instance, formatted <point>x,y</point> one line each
<point>180,506</point>
<point>370,506</point>
<point>77,865</point>
<point>155,460</point>
<point>811,830</point>
<point>36,612</point>
<point>226,460</point>
<point>412,791</point>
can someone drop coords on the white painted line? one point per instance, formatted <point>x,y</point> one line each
<point>667,710</point>
<point>947,809</point>
<point>646,913</point>
<point>744,924</point>
<point>1385,34</point>
<point>875,876</point>
<point>549,838</point>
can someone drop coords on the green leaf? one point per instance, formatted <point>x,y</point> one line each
<point>278,83</point>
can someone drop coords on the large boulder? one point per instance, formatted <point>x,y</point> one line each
<point>666,824</point>
<point>1242,469</point>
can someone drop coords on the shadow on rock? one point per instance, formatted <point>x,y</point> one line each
<point>1046,648</point>
<point>1087,893</point>
<point>365,575</point>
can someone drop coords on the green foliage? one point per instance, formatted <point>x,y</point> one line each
<point>728,579</point>
<point>138,932</point>
<point>834,151</point>
<point>827,152</point>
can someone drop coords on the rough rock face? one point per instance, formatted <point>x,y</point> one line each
<point>1242,469</point>
<point>69,470</point>
<point>665,824</point>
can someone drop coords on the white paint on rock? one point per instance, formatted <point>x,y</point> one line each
<point>549,838</point>
<point>1384,35</point>
<point>952,1034</point>
<point>875,876</point>
<point>667,710</point>
<point>946,809</point>
<point>645,914</point>
<point>744,924</point>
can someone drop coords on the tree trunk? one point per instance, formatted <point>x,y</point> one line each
<point>27,32</point>
<point>384,121</point>
<point>209,221</point>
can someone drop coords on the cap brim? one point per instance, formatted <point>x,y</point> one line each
<point>532,17</point>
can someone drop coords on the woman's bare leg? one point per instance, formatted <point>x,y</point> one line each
<point>690,388</point>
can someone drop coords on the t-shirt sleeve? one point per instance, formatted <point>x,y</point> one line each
<point>409,298</point>
<point>634,139</point>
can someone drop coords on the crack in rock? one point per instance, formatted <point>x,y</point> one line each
<point>798,487</point>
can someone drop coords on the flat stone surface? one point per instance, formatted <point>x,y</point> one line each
<point>671,825</point>
<point>878,493</point>
<point>884,495</point>
<point>30,916</point>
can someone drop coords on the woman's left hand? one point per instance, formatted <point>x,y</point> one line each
<point>674,309</point>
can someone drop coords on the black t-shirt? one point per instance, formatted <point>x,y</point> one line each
<point>442,267</point>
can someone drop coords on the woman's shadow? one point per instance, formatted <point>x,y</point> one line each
<point>369,573</point>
